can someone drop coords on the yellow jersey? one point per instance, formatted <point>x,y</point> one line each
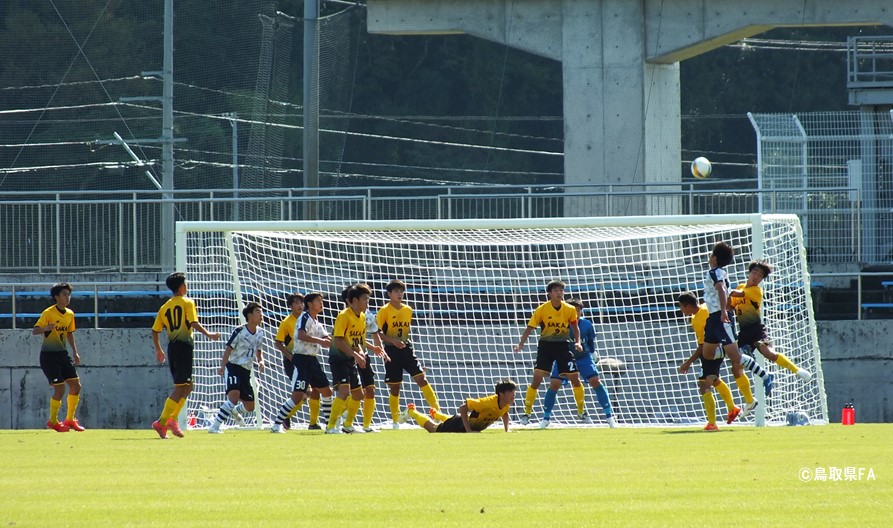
<point>699,323</point>
<point>176,316</point>
<point>484,411</point>
<point>63,324</point>
<point>395,322</point>
<point>554,323</point>
<point>352,328</point>
<point>748,309</point>
<point>286,332</point>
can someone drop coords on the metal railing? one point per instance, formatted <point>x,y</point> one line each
<point>120,231</point>
<point>98,293</point>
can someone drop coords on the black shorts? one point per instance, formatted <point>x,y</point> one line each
<point>57,367</point>
<point>288,367</point>
<point>238,378</point>
<point>401,359</point>
<point>306,373</point>
<point>367,374</point>
<point>751,335</point>
<point>550,352</point>
<point>344,371</point>
<point>710,367</point>
<point>717,332</point>
<point>453,424</point>
<point>179,359</point>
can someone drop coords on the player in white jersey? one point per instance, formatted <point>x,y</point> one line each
<point>242,350</point>
<point>308,373</point>
<point>719,330</point>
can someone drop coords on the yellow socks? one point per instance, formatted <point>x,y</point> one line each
<point>709,407</point>
<point>368,411</point>
<point>430,397</point>
<point>73,400</point>
<point>744,387</point>
<point>338,407</point>
<point>55,405</point>
<point>353,407</point>
<point>784,362</point>
<point>180,405</point>
<point>580,398</point>
<point>726,394</point>
<point>394,404</point>
<point>529,398</point>
<point>420,418</point>
<point>170,407</point>
<point>314,411</point>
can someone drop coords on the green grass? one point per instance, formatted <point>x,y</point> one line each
<point>597,477</point>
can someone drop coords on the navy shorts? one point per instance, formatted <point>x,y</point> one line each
<point>238,378</point>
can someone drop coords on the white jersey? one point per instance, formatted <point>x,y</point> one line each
<point>244,345</point>
<point>371,324</point>
<point>711,296</point>
<point>313,328</point>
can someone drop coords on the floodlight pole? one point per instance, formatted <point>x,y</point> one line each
<point>311,106</point>
<point>235,123</point>
<point>167,138</point>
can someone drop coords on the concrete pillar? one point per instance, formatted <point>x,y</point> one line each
<point>620,63</point>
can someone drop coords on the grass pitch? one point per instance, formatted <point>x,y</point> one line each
<point>572,477</point>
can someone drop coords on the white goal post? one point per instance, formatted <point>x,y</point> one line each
<point>473,285</point>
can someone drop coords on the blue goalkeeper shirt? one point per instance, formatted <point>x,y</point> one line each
<point>587,337</point>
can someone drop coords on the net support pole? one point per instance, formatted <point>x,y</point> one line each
<point>756,254</point>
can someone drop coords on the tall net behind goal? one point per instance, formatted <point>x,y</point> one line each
<point>473,286</point>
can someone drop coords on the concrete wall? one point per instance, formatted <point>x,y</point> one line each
<point>124,387</point>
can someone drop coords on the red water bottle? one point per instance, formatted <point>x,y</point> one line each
<point>848,416</point>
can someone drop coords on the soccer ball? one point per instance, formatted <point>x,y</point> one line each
<point>701,168</point>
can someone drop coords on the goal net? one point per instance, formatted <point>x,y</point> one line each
<point>473,285</point>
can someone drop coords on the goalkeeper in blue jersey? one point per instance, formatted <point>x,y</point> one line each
<point>586,366</point>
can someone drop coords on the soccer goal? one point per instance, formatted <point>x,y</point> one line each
<point>473,285</point>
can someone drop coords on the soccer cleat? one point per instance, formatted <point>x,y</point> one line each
<point>524,419</point>
<point>404,414</point>
<point>611,422</point>
<point>333,430</point>
<point>74,425</point>
<point>749,408</point>
<point>585,418</point>
<point>805,374</point>
<point>238,419</point>
<point>733,414</point>
<point>544,424</point>
<point>767,384</point>
<point>395,426</point>
<point>311,427</point>
<point>160,429</point>
<point>349,429</point>
<point>711,427</point>
<point>277,428</point>
<point>59,427</point>
<point>432,412</point>
<point>214,429</point>
<point>174,427</point>
<point>369,430</point>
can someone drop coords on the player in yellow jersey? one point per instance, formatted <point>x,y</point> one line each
<point>475,415</point>
<point>394,321</point>
<point>709,378</point>
<point>347,355</point>
<point>56,324</point>
<point>555,318</point>
<point>179,317</point>
<point>747,302</point>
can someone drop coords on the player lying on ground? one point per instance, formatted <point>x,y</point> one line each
<point>474,415</point>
